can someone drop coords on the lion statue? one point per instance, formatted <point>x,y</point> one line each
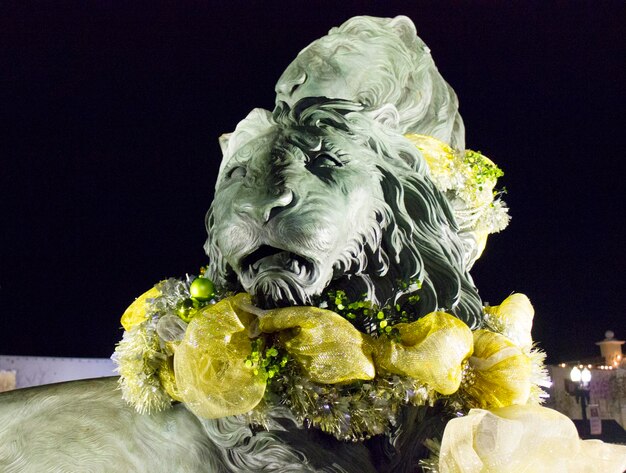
<point>375,62</point>
<point>336,193</point>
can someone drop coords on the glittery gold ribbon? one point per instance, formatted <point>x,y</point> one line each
<point>136,312</point>
<point>431,349</point>
<point>325,344</point>
<point>211,376</point>
<point>513,318</point>
<point>500,372</point>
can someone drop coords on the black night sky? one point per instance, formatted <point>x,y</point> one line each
<point>110,114</point>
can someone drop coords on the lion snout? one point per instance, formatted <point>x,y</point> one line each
<point>263,209</point>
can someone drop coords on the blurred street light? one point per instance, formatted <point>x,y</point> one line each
<point>581,378</point>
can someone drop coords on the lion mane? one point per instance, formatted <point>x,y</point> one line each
<point>411,235</point>
<point>399,71</point>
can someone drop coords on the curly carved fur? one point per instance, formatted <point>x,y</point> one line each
<point>378,61</point>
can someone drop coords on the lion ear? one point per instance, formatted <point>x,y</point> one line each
<point>258,122</point>
<point>387,115</point>
<point>224,139</point>
<point>405,29</point>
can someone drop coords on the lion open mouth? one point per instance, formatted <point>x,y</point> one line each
<point>269,258</point>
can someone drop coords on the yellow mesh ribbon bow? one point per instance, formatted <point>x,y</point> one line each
<point>431,350</point>
<point>136,312</point>
<point>500,372</point>
<point>514,319</point>
<point>325,344</point>
<point>211,375</point>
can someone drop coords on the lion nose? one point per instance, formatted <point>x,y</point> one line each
<point>290,85</point>
<point>266,209</point>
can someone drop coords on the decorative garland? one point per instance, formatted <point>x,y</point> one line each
<point>469,181</point>
<point>179,323</point>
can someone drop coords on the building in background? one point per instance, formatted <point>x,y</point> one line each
<point>606,389</point>
<point>611,350</point>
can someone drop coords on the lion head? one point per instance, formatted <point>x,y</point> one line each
<point>375,62</point>
<point>328,195</point>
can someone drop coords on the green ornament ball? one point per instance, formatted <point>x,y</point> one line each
<point>202,289</point>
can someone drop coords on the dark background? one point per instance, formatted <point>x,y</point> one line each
<point>110,114</point>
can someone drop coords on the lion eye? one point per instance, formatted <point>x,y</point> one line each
<point>323,165</point>
<point>237,172</point>
<point>324,160</point>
